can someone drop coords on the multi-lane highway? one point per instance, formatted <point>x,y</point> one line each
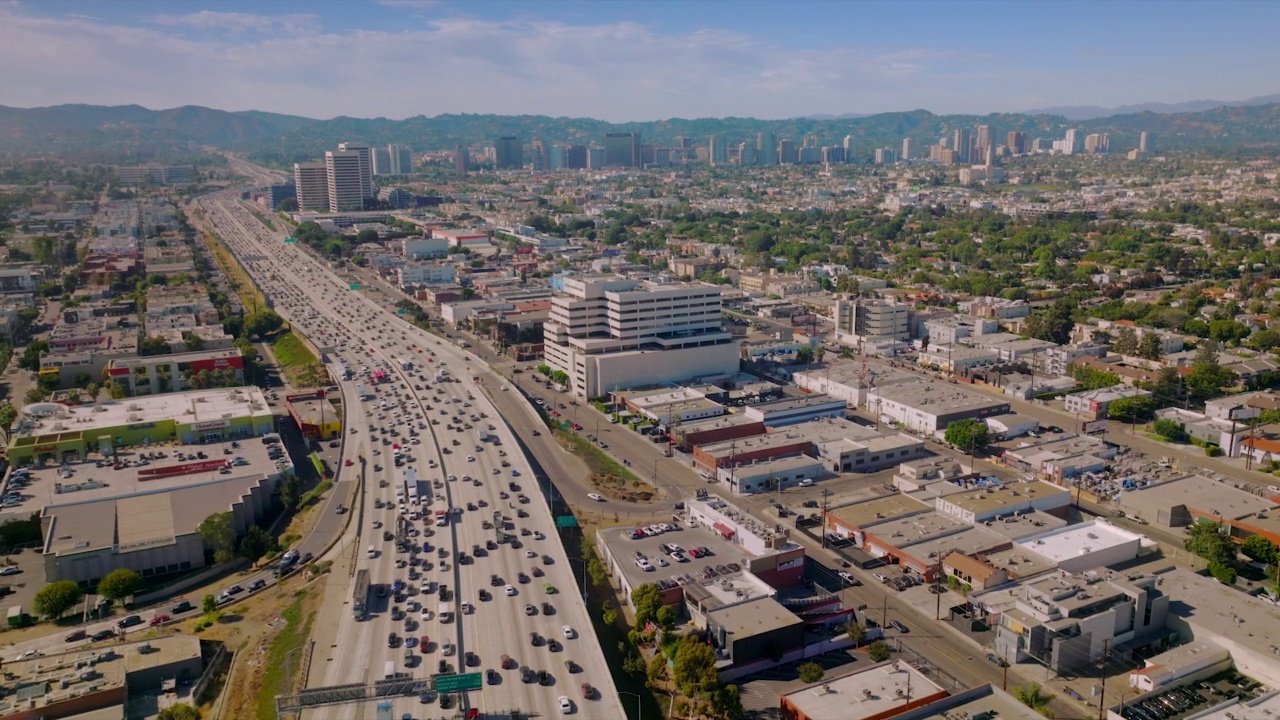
<point>474,595</point>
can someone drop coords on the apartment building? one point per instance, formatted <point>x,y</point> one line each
<point>867,323</point>
<point>611,333</point>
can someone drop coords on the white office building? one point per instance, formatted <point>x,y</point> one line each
<point>365,156</point>
<point>311,182</point>
<point>864,322</point>
<point>343,173</point>
<point>612,333</point>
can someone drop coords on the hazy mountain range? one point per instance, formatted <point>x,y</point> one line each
<point>135,133</point>
<point>1092,112</point>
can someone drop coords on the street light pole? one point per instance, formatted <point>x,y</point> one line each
<point>637,697</point>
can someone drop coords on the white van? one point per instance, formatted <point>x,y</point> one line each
<point>389,671</point>
<point>373,552</point>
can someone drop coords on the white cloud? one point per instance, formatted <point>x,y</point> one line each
<point>208,20</point>
<point>615,71</point>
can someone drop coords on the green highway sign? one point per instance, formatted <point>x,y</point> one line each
<point>457,683</point>
<point>566,521</point>
<point>354,286</point>
<point>400,312</point>
<point>291,239</point>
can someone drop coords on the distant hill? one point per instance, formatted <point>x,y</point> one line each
<point>1093,112</point>
<point>136,132</point>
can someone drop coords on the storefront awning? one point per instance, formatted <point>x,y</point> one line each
<point>723,529</point>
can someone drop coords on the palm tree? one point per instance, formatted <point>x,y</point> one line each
<point>1034,697</point>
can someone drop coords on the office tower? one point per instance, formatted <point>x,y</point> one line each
<point>461,159</point>
<point>832,155</point>
<point>886,156</point>
<point>766,149</point>
<point>508,153</point>
<point>538,154</point>
<point>401,160</point>
<point>810,155</point>
<point>960,140</point>
<point>575,157</point>
<point>1144,141</point>
<point>344,171</point>
<point>381,162</point>
<point>1069,142</point>
<point>362,152</point>
<point>787,152</point>
<point>908,148</point>
<point>865,320</point>
<point>1097,143</point>
<point>1017,142</point>
<point>983,140</point>
<point>989,156</point>
<point>717,150</point>
<point>555,157</point>
<point>612,333</point>
<point>682,142</point>
<point>648,154</point>
<point>622,150</point>
<point>850,148</point>
<point>747,155</point>
<point>312,183</point>
<point>595,158</point>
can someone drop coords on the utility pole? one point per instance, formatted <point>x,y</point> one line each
<point>825,494</point>
<point>1102,696</point>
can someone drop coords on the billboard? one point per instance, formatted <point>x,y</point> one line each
<point>1094,426</point>
<point>222,363</point>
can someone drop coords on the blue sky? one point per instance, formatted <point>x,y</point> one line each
<point>634,60</point>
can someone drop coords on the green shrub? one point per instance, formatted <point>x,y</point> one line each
<point>1213,451</point>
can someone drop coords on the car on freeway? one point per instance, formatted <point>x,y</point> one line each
<point>569,632</point>
<point>184,606</point>
<point>160,620</point>
<point>595,496</point>
<point>566,705</point>
<point>510,590</point>
<point>106,634</point>
<point>129,621</point>
<point>80,634</point>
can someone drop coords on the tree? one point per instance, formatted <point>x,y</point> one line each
<point>1168,385</point>
<point>1126,342</point>
<point>804,356</point>
<point>1053,325</point>
<point>56,598</point>
<point>1207,378</point>
<point>290,491</point>
<point>119,584</point>
<point>217,533</point>
<point>192,342</point>
<point>665,617</point>
<point>181,711</point>
<point>153,345</point>
<point>30,358</point>
<point>1133,409</point>
<point>968,435</point>
<point>646,599</point>
<point>1170,430</point>
<point>208,604</point>
<point>256,543</point>
<point>262,323</point>
<point>93,390</point>
<point>288,205</point>
<point>1260,549</point>
<point>726,701</point>
<point>1207,540</point>
<point>878,651</point>
<point>656,670</point>
<point>1034,697</point>
<point>811,672</point>
<point>367,235</point>
<point>857,633</point>
<point>694,666</point>
<point>8,414</point>
<point>1150,348</point>
<point>1091,379</point>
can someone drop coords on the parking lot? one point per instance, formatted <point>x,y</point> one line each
<point>623,548</point>
<point>1180,702</point>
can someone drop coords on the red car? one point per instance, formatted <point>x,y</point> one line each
<point>424,643</point>
<point>160,620</point>
<point>348,462</point>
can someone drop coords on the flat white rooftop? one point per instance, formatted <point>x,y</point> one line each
<point>874,692</point>
<point>185,407</point>
<point>1075,540</point>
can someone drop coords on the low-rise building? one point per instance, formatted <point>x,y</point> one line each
<point>728,453</point>
<point>1093,404</point>
<point>957,360</point>
<point>793,410</point>
<point>929,406</point>
<point>154,374</point>
<point>724,428</point>
<point>878,692</point>
<point>769,475</point>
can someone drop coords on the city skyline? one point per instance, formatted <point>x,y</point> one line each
<point>633,62</point>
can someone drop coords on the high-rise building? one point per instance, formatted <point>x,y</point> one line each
<point>766,149</point>
<point>575,157</point>
<point>622,150</point>
<point>539,151</point>
<point>1144,141</point>
<point>461,158</point>
<point>886,156</point>
<point>850,148</point>
<point>1069,145</point>
<point>611,333</point>
<point>983,140</point>
<point>908,148</point>
<point>312,183</point>
<point>682,142</point>
<point>345,176</point>
<point>832,155</point>
<point>508,153</point>
<point>960,140</point>
<point>381,162</point>
<point>866,321</point>
<point>746,155</point>
<point>1017,142</point>
<point>717,150</point>
<point>363,154</point>
<point>401,160</point>
<point>787,152</point>
<point>1097,143</point>
<point>595,158</point>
